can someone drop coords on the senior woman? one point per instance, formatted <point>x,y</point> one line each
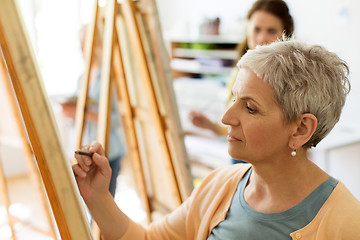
<point>288,97</point>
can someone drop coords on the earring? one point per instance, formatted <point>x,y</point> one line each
<point>293,153</point>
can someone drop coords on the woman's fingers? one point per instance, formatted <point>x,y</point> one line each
<point>102,163</point>
<point>78,170</point>
<point>83,160</point>
<point>98,160</point>
<point>96,147</point>
<point>93,179</point>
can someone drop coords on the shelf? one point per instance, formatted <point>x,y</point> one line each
<point>196,57</point>
<point>194,66</point>
<point>209,39</point>
<point>201,67</point>
<point>196,53</point>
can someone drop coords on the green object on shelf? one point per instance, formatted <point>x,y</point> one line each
<point>198,45</point>
<point>203,46</point>
<point>185,45</point>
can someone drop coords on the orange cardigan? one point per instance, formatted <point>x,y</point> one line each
<point>338,218</point>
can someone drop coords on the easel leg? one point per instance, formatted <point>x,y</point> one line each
<point>128,116</point>
<point>34,174</point>
<point>6,200</point>
<point>129,12</point>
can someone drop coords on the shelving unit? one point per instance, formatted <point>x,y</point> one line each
<point>201,67</point>
<point>196,57</point>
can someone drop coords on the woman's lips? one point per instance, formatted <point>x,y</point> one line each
<point>231,138</point>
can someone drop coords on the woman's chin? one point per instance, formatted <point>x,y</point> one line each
<point>236,155</point>
<point>236,151</point>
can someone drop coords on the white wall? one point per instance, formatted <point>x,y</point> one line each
<point>334,24</point>
<point>184,17</point>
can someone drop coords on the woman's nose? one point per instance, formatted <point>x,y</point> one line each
<point>262,39</point>
<point>229,118</point>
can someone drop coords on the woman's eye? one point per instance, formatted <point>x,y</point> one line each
<point>250,109</point>
<point>272,31</point>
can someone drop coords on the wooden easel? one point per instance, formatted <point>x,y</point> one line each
<point>33,172</point>
<point>154,134</point>
<point>146,102</point>
<point>55,170</point>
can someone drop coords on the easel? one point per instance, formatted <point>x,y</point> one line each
<point>154,134</point>
<point>33,172</point>
<point>21,70</point>
<point>146,102</point>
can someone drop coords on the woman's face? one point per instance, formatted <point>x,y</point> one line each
<point>263,28</point>
<point>256,122</point>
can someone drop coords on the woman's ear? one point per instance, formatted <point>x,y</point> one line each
<point>305,128</point>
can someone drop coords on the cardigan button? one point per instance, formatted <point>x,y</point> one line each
<point>298,235</point>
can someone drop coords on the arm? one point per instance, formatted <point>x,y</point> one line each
<point>202,121</point>
<point>69,111</point>
<point>93,177</point>
<point>110,219</point>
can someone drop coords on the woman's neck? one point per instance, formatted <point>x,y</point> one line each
<point>275,187</point>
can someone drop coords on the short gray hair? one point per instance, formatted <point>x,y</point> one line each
<point>305,78</point>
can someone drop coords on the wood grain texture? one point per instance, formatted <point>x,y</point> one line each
<point>40,124</point>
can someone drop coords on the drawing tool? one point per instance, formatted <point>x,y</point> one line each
<point>84,153</point>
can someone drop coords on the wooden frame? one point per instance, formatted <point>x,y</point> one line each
<point>163,81</point>
<point>147,103</point>
<point>156,120</point>
<point>13,114</point>
<point>40,125</point>
<point>154,134</point>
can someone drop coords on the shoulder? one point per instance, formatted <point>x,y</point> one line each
<point>341,214</point>
<point>343,200</point>
<point>345,203</point>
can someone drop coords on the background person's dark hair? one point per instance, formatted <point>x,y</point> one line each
<point>277,8</point>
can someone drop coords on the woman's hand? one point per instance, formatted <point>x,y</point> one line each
<point>68,109</point>
<point>200,120</point>
<point>92,174</point>
<point>93,177</point>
